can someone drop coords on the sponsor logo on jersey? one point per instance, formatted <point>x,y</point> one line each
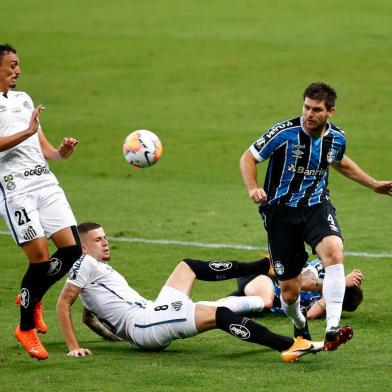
<point>260,143</point>
<point>331,156</point>
<point>75,268</point>
<point>8,177</point>
<point>29,233</point>
<point>54,266</point>
<point>16,110</point>
<point>24,297</point>
<point>277,128</point>
<point>177,305</point>
<point>240,331</point>
<point>37,171</point>
<point>307,172</point>
<point>220,265</point>
<point>3,108</point>
<point>297,153</point>
<point>27,105</point>
<point>278,267</point>
<point>270,133</point>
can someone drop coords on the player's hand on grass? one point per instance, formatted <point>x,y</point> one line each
<point>258,195</point>
<point>67,147</point>
<point>34,120</point>
<point>79,352</point>
<point>384,187</point>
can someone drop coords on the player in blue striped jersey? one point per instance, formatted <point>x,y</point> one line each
<point>295,205</point>
<point>267,287</point>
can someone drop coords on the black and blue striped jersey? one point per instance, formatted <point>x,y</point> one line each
<point>297,173</point>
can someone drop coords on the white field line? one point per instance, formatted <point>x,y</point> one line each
<point>221,246</point>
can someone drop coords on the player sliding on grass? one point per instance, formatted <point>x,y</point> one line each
<point>31,201</point>
<point>295,203</point>
<point>153,325</point>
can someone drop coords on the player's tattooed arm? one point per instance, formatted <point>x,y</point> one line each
<point>67,297</point>
<point>99,328</point>
<point>311,282</point>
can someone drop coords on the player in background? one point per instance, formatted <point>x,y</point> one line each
<point>153,325</point>
<point>31,201</point>
<point>295,205</point>
<point>266,286</point>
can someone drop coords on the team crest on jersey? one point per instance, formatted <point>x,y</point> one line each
<point>3,108</point>
<point>10,185</point>
<point>54,266</point>
<point>331,155</point>
<point>278,267</point>
<point>177,305</point>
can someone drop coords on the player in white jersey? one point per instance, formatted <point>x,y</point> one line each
<point>153,325</point>
<point>31,201</point>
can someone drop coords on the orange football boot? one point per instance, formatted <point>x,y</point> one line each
<point>30,341</point>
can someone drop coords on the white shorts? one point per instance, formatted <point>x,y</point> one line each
<point>171,316</point>
<point>39,213</point>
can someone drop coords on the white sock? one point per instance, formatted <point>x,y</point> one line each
<point>334,286</point>
<point>294,312</point>
<point>238,304</point>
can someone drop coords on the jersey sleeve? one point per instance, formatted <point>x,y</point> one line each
<point>82,272</point>
<point>339,146</point>
<point>316,267</point>
<point>340,154</point>
<point>265,145</point>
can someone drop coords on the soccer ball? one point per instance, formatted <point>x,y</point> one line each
<point>142,148</point>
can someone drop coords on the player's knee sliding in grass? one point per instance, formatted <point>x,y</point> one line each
<point>153,325</point>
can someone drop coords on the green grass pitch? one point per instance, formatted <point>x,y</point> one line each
<point>208,77</point>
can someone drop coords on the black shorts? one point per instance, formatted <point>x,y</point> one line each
<point>290,227</point>
<point>241,284</point>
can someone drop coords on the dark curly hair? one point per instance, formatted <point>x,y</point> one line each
<point>5,49</point>
<point>321,92</point>
<point>353,297</point>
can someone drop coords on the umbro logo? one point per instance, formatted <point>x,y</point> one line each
<point>177,305</point>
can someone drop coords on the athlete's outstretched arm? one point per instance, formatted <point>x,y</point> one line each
<point>92,321</point>
<point>65,150</point>
<point>7,142</point>
<point>67,297</point>
<point>249,174</point>
<point>351,170</point>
